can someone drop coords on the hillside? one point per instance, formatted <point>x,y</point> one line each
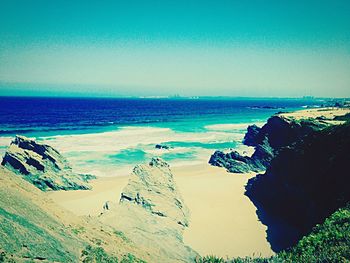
<point>34,228</point>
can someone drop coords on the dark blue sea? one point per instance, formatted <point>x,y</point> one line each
<point>97,134</point>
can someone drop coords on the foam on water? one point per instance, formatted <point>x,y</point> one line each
<point>122,149</point>
<point>108,137</point>
<point>231,127</point>
<point>116,152</point>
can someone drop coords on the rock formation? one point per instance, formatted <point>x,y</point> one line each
<point>152,212</point>
<point>251,135</point>
<point>163,147</point>
<point>281,130</point>
<point>236,163</point>
<point>305,182</point>
<point>42,165</point>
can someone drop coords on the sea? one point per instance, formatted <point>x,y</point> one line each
<point>109,136</point>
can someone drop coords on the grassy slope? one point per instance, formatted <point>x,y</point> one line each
<point>328,242</point>
<point>28,231</point>
<point>32,227</point>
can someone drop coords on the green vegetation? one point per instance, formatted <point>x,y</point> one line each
<point>15,231</point>
<point>99,255</point>
<point>5,258</point>
<point>130,258</point>
<point>213,259</point>
<point>121,235</point>
<point>79,230</point>
<point>328,242</point>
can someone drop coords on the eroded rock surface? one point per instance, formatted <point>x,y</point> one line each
<point>43,166</point>
<point>305,183</point>
<point>152,213</point>
<point>281,130</point>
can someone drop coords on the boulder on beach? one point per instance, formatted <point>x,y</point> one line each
<point>43,166</point>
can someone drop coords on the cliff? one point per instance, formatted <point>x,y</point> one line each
<point>307,180</point>
<point>42,165</point>
<point>152,213</point>
<point>281,130</point>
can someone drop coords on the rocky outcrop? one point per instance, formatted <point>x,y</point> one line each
<point>163,147</point>
<point>152,213</point>
<point>43,166</point>
<point>251,135</point>
<point>306,182</point>
<point>236,163</point>
<point>281,130</point>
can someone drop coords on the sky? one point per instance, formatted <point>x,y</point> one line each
<point>160,48</point>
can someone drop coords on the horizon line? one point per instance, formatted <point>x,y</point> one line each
<point>176,97</point>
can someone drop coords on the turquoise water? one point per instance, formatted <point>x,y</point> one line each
<point>108,137</point>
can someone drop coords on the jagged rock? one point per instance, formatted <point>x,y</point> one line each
<point>162,146</point>
<point>280,131</point>
<point>236,163</point>
<point>251,134</point>
<point>43,166</point>
<point>152,212</point>
<point>233,162</point>
<point>263,155</point>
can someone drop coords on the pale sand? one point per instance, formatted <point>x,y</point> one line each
<point>90,202</point>
<point>223,220</point>
<point>328,113</point>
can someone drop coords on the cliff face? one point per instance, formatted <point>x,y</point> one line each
<point>152,213</point>
<point>42,165</point>
<point>281,130</point>
<point>305,182</point>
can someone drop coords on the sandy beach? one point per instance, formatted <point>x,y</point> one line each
<point>223,220</point>
<point>90,202</point>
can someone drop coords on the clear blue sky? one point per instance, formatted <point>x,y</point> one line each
<point>118,48</point>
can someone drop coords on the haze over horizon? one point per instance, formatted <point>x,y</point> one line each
<point>162,48</point>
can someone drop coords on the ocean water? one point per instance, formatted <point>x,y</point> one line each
<point>108,137</point>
